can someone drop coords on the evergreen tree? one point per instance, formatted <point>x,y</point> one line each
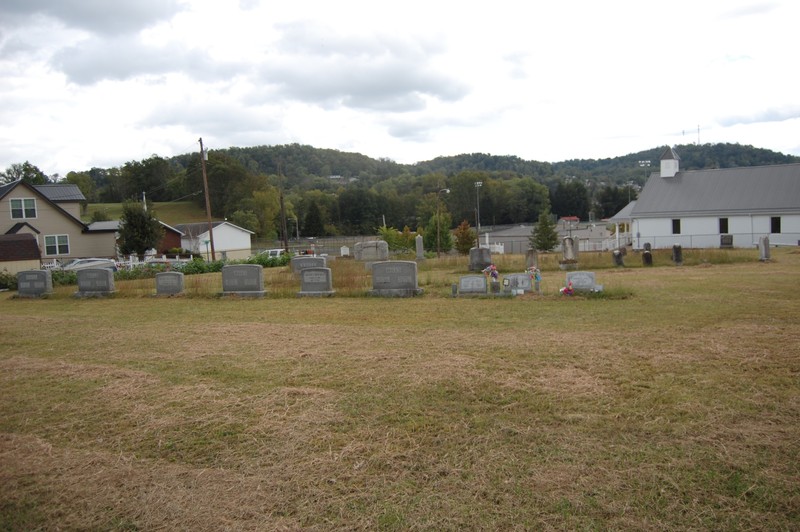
<point>544,236</point>
<point>445,238</point>
<point>465,237</point>
<point>312,224</point>
<point>138,229</point>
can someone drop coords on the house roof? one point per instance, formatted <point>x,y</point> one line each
<point>21,246</point>
<point>196,229</point>
<point>58,193</point>
<point>48,189</point>
<point>748,190</point>
<point>16,228</point>
<point>624,215</point>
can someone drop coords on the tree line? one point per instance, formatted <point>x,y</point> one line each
<point>329,192</point>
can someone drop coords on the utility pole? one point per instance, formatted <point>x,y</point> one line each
<point>208,201</point>
<point>284,229</point>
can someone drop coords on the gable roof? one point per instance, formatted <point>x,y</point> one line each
<point>196,229</point>
<point>16,228</point>
<point>747,190</point>
<point>5,189</point>
<point>19,247</point>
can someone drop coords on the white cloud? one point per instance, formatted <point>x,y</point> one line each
<point>96,83</point>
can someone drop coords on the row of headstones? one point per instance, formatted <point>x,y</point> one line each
<point>677,253</point>
<point>389,279</point>
<point>520,283</point>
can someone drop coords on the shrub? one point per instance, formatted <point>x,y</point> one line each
<point>8,281</point>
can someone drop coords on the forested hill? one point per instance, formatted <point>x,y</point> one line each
<point>301,163</point>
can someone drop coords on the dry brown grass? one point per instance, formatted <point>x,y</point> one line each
<point>675,406</point>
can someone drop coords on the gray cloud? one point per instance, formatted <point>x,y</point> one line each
<point>773,114</point>
<point>125,57</point>
<point>374,72</point>
<point>97,16</point>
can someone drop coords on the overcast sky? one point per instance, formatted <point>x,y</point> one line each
<point>88,83</point>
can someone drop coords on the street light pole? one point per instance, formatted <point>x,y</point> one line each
<point>478,185</point>
<point>438,221</point>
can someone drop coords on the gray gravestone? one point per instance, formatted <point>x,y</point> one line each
<point>316,282</point>
<point>243,280</point>
<point>479,259</point>
<point>569,247</point>
<point>517,283</point>
<point>583,282</point>
<point>395,278</point>
<point>371,251</point>
<point>677,254</point>
<point>34,283</point>
<point>470,285</point>
<point>531,259</point>
<point>617,256</point>
<point>95,282</point>
<point>169,283</point>
<point>420,249</point>
<point>301,262</point>
<point>763,248</point>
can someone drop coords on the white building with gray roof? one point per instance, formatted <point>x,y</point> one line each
<point>729,207</point>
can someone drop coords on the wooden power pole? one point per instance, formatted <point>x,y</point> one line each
<point>208,201</point>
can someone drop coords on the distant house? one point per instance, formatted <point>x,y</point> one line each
<point>19,252</point>
<point>51,213</point>
<point>729,207</point>
<point>230,241</point>
<point>170,240</point>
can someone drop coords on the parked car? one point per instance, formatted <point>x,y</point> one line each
<point>83,264</point>
<point>273,252</point>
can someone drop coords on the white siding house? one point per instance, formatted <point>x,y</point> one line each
<point>730,207</point>
<point>230,241</point>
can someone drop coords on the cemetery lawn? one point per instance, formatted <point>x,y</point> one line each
<point>671,403</point>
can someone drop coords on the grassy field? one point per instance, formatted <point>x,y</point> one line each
<point>671,403</point>
<point>174,212</point>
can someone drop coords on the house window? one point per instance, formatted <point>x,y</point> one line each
<point>723,226</point>
<point>22,208</point>
<point>775,224</point>
<point>676,227</point>
<point>56,245</point>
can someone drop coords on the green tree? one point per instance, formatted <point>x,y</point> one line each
<point>312,223</point>
<point>246,220</point>
<point>25,171</point>
<point>465,237</point>
<point>544,236</point>
<point>139,230</point>
<point>445,237</point>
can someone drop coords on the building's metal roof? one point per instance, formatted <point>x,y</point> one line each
<point>747,190</point>
<point>19,247</point>
<point>61,192</point>
<point>624,215</point>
